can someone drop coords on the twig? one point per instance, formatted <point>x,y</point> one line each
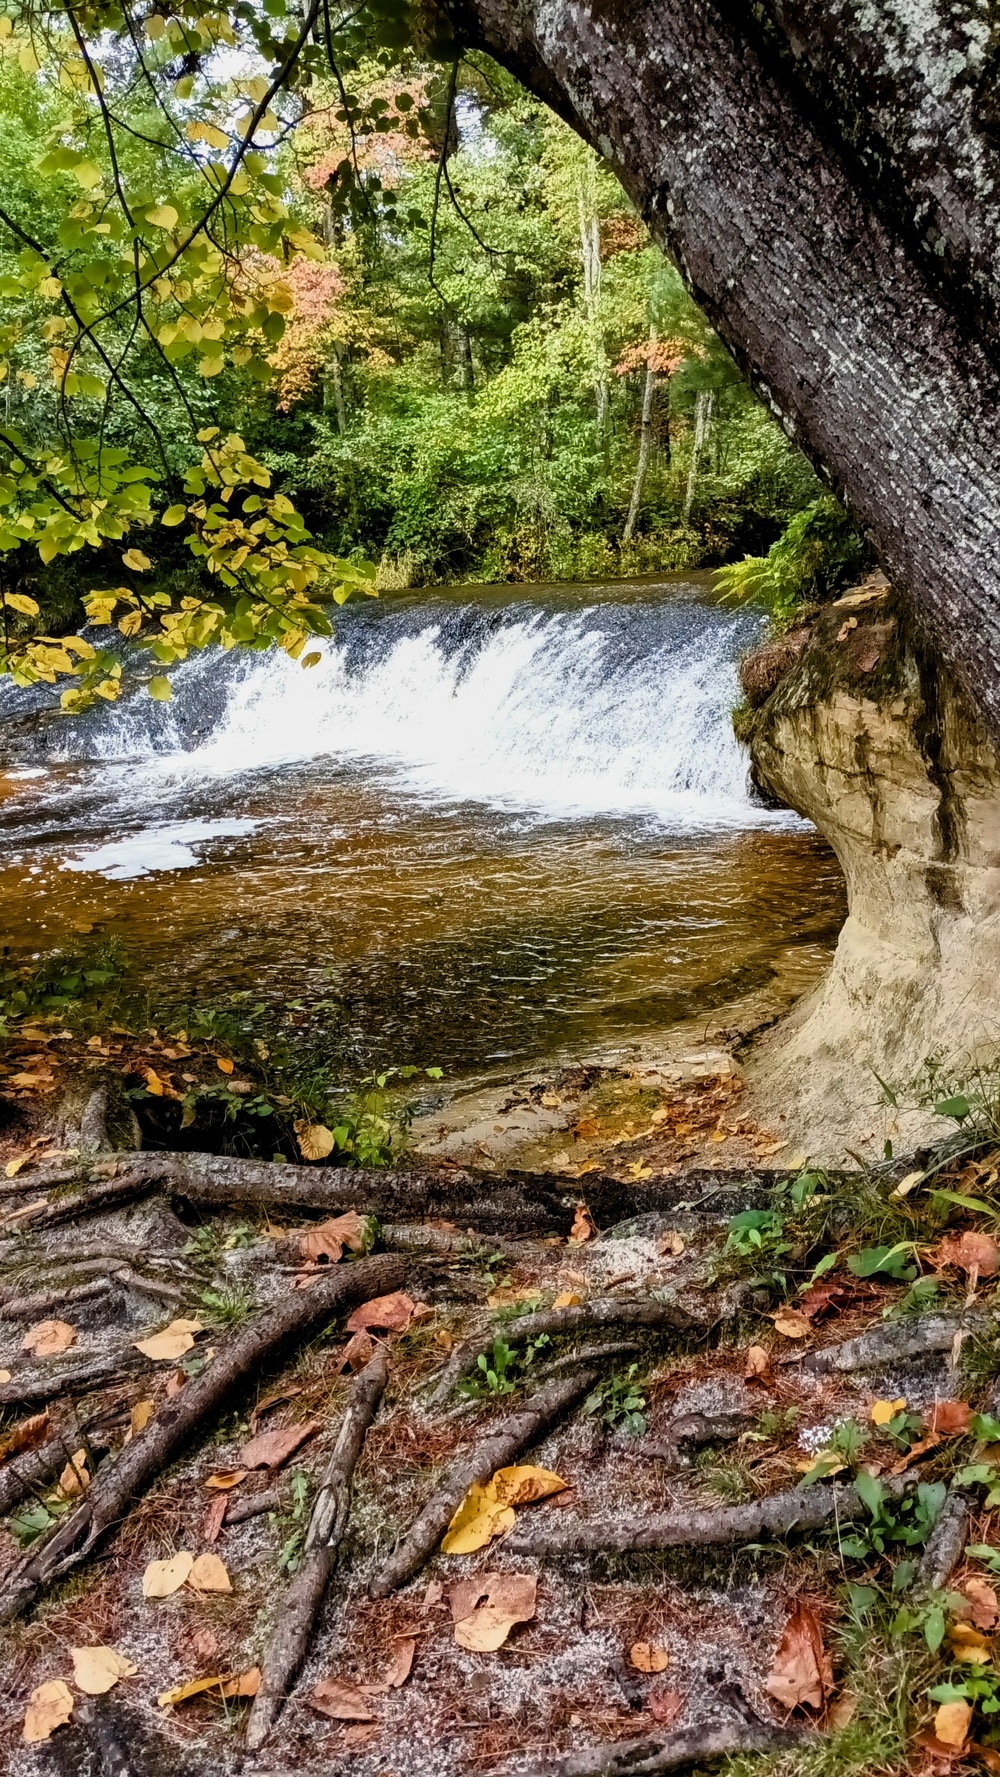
<point>506,1441</point>
<point>604,1311</point>
<point>800,1508</point>
<point>289,1643</point>
<point>239,1511</point>
<point>643,1758</point>
<point>294,1318</point>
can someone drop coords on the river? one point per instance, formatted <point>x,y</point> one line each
<point>494,825</point>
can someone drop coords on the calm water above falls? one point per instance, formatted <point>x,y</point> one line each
<point>494,824</point>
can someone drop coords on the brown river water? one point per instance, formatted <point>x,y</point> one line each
<point>496,826</point>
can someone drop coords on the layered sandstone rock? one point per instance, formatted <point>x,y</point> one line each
<point>866,737</point>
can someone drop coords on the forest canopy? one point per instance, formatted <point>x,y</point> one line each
<point>294,307</point>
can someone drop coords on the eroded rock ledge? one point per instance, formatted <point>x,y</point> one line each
<point>860,730</point>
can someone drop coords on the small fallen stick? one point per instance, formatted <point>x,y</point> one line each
<point>294,1318</point>
<point>604,1311</point>
<point>289,1643</point>
<point>239,1511</point>
<point>889,1344</point>
<point>36,1306</point>
<point>506,1441</point>
<point>645,1757</point>
<point>44,1386</point>
<point>800,1508</point>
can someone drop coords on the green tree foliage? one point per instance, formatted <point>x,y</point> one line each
<point>279,297</point>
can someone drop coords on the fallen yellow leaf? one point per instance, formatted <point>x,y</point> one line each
<point>488,1510</point>
<point>50,1705</point>
<point>142,1413</point>
<point>13,1167</point>
<point>75,1476</point>
<point>568,1299</point>
<point>96,1669</point>
<point>883,1411</point>
<point>645,1656</point>
<point>222,1482</point>
<point>209,1574</point>
<point>172,1343</point>
<point>951,1723</point>
<point>315,1141</point>
<point>162,1578</point>
<point>224,1065</point>
<point>968,1643</point>
<point>228,1684</point>
<point>47,1338</point>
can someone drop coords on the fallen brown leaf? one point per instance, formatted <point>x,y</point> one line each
<point>23,1436</point>
<point>486,1609</point>
<point>583,1226</point>
<point>269,1449</point>
<point>664,1706</point>
<point>801,1674</point>
<point>50,1705</point>
<point>211,1524</point>
<point>758,1365</point>
<point>823,1298</point>
<point>326,1242</point>
<point>97,1669</point>
<point>225,1479</point>
<point>357,1352</point>
<point>984,1608</point>
<point>950,1419</point>
<point>341,1699</point>
<point>645,1656</point>
<point>971,1251</point>
<point>389,1313</point>
<point>968,1643</point>
<point>141,1414</point>
<point>792,1323</point>
<point>47,1338</point>
<point>276,1398</point>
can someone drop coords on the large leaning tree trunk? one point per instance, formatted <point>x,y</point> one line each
<point>826,175</point>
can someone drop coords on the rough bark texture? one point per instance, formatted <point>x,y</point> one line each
<point>756,177</point>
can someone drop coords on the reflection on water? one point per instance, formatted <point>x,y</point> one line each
<point>482,831</point>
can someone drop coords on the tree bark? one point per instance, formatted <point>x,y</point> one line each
<point>809,269</point>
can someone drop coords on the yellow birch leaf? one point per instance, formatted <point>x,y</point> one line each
<point>163,216</point>
<point>172,1343</point>
<point>97,1669</point>
<point>487,1511</point>
<point>13,1167</point>
<point>951,1723</point>
<point>209,1574</point>
<point>162,1578</point>
<point>51,1704</point>
<point>883,1411</point>
<point>47,1338</point>
<point>134,559</point>
<point>315,1142</point>
<point>228,1684</point>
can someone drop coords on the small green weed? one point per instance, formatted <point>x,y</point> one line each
<point>619,1403</point>
<point>500,1372</point>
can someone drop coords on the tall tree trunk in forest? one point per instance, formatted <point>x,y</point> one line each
<point>333,385</point>
<point>645,439</point>
<point>703,404</point>
<point>590,255</point>
<point>862,307</point>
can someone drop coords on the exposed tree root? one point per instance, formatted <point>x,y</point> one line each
<point>889,1344</point>
<point>946,1544</point>
<point>48,1384</point>
<point>506,1441</point>
<point>255,1505</point>
<point>689,1746</point>
<point>43,1302</point>
<point>504,1204</point>
<point>800,1508</point>
<point>256,1346</point>
<point>604,1311</point>
<point>289,1642</point>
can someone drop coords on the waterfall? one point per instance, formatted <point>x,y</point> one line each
<point>615,708</point>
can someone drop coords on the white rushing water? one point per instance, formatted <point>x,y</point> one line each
<point>617,709</point>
